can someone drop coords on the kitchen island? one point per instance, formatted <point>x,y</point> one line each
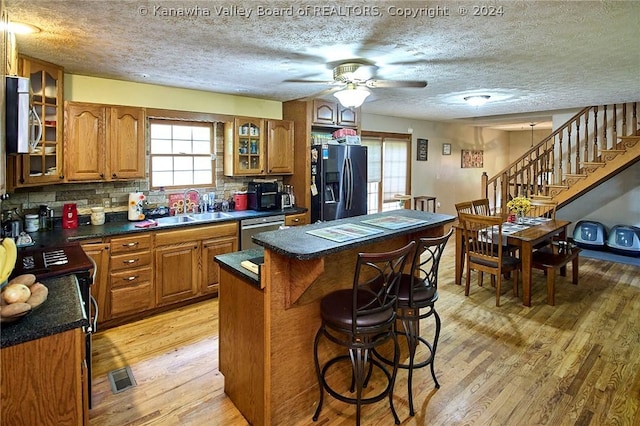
<point>268,322</point>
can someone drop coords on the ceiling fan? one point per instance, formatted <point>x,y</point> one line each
<point>352,81</point>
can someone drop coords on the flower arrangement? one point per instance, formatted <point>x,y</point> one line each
<point>519,205</point>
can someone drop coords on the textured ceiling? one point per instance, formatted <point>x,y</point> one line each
<point>532,56</point>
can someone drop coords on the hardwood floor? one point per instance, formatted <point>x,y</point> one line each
<point>577,363</point>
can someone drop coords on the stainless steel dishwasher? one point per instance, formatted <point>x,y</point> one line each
<point>251,227</point>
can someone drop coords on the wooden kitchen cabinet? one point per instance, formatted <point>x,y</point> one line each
<point>280,140</point>
<point>184,259</point>
<point>104,142</point>
<point>43,164</point>
<point>244,147</point>
<point>131,285</point>
<point>210,268</point>
<point>45,382</point>
<point>296,219</point>
<point>333,114</point>
<point>251,151</point>
<point>99,252</point>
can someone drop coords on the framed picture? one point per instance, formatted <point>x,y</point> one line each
<point>472,159</point>
<point>446,149</point>
<point>423,149</point>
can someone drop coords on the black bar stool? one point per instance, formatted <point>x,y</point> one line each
<point>419,290</point>
<point>360,319</point>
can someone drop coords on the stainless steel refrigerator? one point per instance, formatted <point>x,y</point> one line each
<point>338,181</point>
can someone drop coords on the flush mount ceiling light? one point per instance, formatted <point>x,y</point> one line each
<point>477,100</point>
<point>22,28</point>
<point>352,96</point>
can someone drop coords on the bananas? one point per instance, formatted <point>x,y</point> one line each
<point>8,257</point>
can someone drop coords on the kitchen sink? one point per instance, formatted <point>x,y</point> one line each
<point>210,216</point>
<point>175,219</point>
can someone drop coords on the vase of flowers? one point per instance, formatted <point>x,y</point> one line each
<point>520,206</point>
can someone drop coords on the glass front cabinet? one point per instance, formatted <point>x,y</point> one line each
<point>43,163</point>
<point>244,147</point>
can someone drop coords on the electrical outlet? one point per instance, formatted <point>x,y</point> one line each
<point>438,205</point>
<point>106,203</point>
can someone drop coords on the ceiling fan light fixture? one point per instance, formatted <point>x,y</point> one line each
<point>22,28</point>
<point>477,100</point>
<point>352,96</point>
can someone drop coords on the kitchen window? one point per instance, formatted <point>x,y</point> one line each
<point>389,169</point>
<point>181,154</point>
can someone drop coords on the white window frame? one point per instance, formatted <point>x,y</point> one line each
<point>210,156</point>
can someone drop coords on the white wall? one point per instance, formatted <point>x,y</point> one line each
<point>441,175</point>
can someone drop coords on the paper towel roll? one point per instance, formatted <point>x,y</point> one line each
<point>136,201</point>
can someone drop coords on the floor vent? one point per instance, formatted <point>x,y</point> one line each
<point>121,379</point>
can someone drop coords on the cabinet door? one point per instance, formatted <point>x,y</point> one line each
<point>347,117</point>
<point>280,140</point>
<point>99,252</point>
<point>126,143</point>
<point>131,291</point>
<point>85,142</point>
<point>324,112</point>
<point>177,273</point>
<point>210,268</point>
<point>295,219</point>
<point>43,164</point>
<point>249,147</point>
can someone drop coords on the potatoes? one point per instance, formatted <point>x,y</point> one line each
<point>16,293</point>
<point>14,310</point>
<point>39,293</point>
<point>26,279</point>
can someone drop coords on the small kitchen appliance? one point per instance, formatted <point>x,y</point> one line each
<point>69,216</point>
<point>240,200</point>
<point>624,240</point>
<point>263,196</point>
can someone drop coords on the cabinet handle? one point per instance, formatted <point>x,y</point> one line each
<point>135,243</point>
<point>131,278</point>
<point>296,220</point>
<point>130,261</point>
<point>101,175</point>
<point>61,177</point>
<point>114,175</point>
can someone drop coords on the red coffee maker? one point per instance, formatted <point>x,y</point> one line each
<point>69,216</point>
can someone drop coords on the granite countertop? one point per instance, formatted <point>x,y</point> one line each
<point>85,232</point>
<point>297,243</point>
<point>62,311</point>
<point>231,262</point>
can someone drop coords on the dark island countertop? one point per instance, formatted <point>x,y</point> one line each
<point>62,311</point>
<point>296,242</point>
<point>231,262</point>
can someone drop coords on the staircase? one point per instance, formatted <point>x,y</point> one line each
<point>591,147</point>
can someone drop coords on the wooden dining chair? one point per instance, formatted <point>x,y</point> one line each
<point>485,251</point>
<point>464,207</point>
<point>481,206</point>
<point>543,208</point>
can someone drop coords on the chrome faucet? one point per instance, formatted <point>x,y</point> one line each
<point>186,203</point>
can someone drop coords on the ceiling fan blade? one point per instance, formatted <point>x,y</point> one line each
<point>298,80</point>
<point>375,84</point>
<point>320,94</point>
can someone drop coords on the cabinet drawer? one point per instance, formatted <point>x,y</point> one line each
<point>196,233</point>
<point>132,299</point>
<point>295,219</point>
<point>129,244</point>
<point>131,277</point>
<point>130,260</point>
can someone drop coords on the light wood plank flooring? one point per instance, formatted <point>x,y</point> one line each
<point>577,363</point>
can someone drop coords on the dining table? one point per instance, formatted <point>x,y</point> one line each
<point>525,240</point>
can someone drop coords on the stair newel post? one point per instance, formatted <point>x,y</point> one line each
<point>569,149</point>
<point>605,144</point>
<point>624,120</point>
<point>484,185</point>
<point>634,122</point>
<point>560,168</point>
<point>504,195</point>
<point>528,171</point>
<point>595,135</point>
<point>577,167</point>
